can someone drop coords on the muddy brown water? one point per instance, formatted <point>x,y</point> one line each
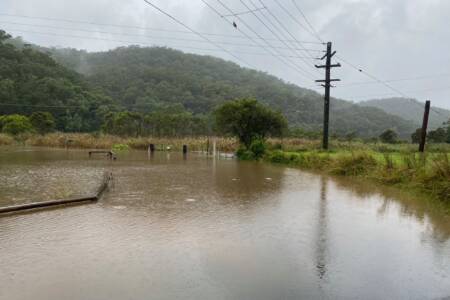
<point>197,228</point>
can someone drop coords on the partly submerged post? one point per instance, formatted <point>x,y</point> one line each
<point>151,148</point>
<point>108,153</point>
<point>185,149</point>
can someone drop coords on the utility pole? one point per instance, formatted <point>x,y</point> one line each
<point>423,133</point>
<point>327,84</point>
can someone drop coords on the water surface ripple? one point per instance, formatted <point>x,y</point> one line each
<point>197,228</point>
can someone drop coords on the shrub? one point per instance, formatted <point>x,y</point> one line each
<point>120,147</point>
<point>16,124</point>
<point>247,119</point>
<point>244,154</point>
<point>6,140</point>
<point>258,148</point>
<point>389,136</point>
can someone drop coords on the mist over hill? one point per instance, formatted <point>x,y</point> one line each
<point>410,109</point>
<point>144,79</point>
<point>147,79</point>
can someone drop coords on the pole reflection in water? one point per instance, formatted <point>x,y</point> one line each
<point>321,231</point>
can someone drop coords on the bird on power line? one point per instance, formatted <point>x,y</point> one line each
<point>234,25</point>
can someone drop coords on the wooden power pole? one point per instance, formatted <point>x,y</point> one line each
<point>327,84</point>
<point>423,133</point>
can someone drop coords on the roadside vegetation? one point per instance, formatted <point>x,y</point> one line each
<point>391,162</point>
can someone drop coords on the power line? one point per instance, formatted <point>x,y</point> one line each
<point>245,12</point>
<point>314,31</point>
<point>409,91</point>
<point>134,27</point>
<point>372,77</point>
<point>142,43</point>
<point>199,34</point>
<point>395,90</point>
<point>293,18</point>
<point>273,32</point>
<point>249,37</point>
<point>290,64</point>
<point>394,80</point>
<point>43,106</point>
<point>283,26</point>
<point>128,34</point>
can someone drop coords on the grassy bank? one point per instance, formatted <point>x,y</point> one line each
<point>428,173</point>
<point>101,141</point>
<point>6,140</point>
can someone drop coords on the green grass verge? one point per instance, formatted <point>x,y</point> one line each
<point>428,173</point>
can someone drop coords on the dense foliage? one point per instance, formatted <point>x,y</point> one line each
<point>83,90</point>
<point>15,124</point>
<point>158,124</point>
<point>389,136</point>
<point>147,79</point>
<point>249,120</point>
<point>43,122</point>
<point>32,81</point>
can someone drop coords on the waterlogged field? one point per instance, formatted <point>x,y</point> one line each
<point>174,227</point>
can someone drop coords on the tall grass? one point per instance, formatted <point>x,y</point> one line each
<point>6,140</point>
<point>101,141</point>
<point>429,174</point>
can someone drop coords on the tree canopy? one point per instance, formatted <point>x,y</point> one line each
<point>248,120</point>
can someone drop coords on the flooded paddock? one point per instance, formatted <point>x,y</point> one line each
<point>197,228</point>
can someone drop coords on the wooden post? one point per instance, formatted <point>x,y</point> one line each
<point>423,133</point>
<point>327,85</point>
<point>326,106</point>
<point>185,149</point>
<point>151,148</point>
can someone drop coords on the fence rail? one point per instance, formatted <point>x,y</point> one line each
<point>42,204</point>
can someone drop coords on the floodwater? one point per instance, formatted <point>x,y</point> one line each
<point>198,228</point>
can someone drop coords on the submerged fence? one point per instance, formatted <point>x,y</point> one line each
<point>107,177</point>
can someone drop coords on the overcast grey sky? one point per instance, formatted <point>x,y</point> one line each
<point>391,39</point>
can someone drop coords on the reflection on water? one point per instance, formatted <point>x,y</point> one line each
<point>321,241</point>
<point>175,227</point>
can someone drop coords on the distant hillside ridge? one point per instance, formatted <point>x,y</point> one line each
<point>146,79</point>
<point>410,109</point>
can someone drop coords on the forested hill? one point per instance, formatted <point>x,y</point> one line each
<point>410,109</point>
<point>155,79</point>
<point>32,81</point>
<point>144,79</point>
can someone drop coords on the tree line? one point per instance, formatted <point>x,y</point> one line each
<point>162,92</point>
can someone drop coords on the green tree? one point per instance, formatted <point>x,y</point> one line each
<point>248,120</point>
<point>16,124</point>
<point>389,136</point>
<point>43,122</point>
<point>437,136</point>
